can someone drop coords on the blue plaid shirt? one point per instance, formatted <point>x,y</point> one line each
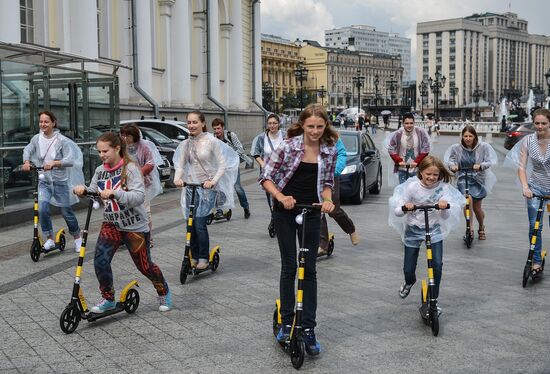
<point>284,161</point>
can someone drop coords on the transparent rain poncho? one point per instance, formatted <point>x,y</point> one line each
<point>531,155</point>
<point>140,152</point>
<point>442,222</point>
<point>71,159</point>
<point>393,145</point>
<point>480,183</point>
<point>203,158</point>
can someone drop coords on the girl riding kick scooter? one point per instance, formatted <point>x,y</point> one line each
<point>528,269</point>
<point>429,302</point>
<point>188,266</point>
<point>295,345</point>
<point>77,308</point>
<point>37,246</point>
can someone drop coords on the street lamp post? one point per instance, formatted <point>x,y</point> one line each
<point>547,76</point>
<point>423,93</point>
<point>376,82</point>
<point>453,90</point>
<point>322,93</point>
<point>476,95</point>
<point>301,75</point>
<point>358,82</point>
<point>436,85</point>
<point>347,95</point>
<point>393,87</point>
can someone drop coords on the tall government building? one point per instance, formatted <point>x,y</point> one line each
<point>491,51</point>
<point>366,39</point>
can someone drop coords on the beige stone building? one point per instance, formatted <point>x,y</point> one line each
<point>491,51</point>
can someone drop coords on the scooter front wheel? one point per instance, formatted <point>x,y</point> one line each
<point>297,349</point>
<point>70,318</point>
<point>35,251</point>
<point>62,242</point>
<point>215,262</point>
<point>434,317</point>
<point>526,273</point>
<point>209,219</point>
<point>468,239</point>
<point>271,230</point>
<point>132,301</point>
<point>184,271</point>
<point>330,248</point>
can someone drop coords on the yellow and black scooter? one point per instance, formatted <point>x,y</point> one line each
<point>226,215</point>
<point>37,246</point>
<point>77,308</point>
<point>528,269</point>
<point>187,266</point>
<point>468,236</point>
<point>295,346</point>
<point>427,295</point>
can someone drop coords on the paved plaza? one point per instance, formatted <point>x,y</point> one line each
<point>222,322</point>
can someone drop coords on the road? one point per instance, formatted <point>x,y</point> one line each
<point>221,322</point>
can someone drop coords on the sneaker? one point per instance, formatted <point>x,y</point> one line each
<point>284,334</point>
<point>49,244</point>
<point>321,252</point>
<point>313,347</point>
<point>103,306</point>
<point>425,311</point>
<point>77,245</point>
<point>404,290</point>
<point>165,302</point>
<point>354,237</point>
<point>246,213</point>
<point>203,264</point>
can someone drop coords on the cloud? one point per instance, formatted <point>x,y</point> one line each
<point>291,19</point>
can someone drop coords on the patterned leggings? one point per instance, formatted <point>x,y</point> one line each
<point>110,238</point>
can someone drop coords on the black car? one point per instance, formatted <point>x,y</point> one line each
<point>363,171</point>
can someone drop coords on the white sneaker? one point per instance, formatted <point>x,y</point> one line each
<point>49,244</point>
<point>77,245</point>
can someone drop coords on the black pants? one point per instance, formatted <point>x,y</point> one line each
<point>287,229</point>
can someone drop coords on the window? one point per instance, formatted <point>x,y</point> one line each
<point>26,14</point>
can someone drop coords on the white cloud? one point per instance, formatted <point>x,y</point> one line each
<point>291,19</point>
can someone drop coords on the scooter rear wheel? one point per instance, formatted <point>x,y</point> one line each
<point>215,262</point>
<point>183,272</point>
<point>132,301</point>
<point>271,229</point>
<point>434,317</point>
<point>297,349</point>
<point>526,273</point>
<point>35,251</point>
<point>209,219</point>
<point>62,242</point>
<point>228,215</point>
<point>70,318</point>
<point>330,248</point>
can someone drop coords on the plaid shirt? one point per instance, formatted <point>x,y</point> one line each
<point>287,157</point>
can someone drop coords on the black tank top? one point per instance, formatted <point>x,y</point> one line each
<point>303,184</point>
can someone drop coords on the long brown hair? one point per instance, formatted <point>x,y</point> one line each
<point>330,136</point>
<point>444,174</point>
<point>200,114</point>
<point>471,130</point>
<point>114,141</point>
<point>131,129</point>
<point>51,115</point>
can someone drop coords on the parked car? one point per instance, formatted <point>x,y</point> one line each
<point>166,147</point>
<point>173,129</point>
<point>516,133</point>
<point>363,171</point>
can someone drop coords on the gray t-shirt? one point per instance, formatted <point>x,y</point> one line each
<point>126,210</point>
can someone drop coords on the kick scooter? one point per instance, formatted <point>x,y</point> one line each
<point>213,217</point>
<point>37,246</point>
<point>295,345</point>
<point>528,269</point>
<point>77,308</point>
<point>187,266</point>
<point>427,295</point>
<point>468,236</point>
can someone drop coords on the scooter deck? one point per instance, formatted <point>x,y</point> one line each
<point>91,316</point>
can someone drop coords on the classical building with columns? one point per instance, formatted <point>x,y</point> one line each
<point>172,56</point>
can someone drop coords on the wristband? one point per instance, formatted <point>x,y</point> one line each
<point>327,200</point>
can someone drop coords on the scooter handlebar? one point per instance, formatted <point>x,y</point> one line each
<point>185,184</point>
<point>424,207</point>
<point>308,206</point>
<point>96,194</point>
<point>541,197</point>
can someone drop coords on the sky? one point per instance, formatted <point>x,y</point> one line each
<point>308,19</point>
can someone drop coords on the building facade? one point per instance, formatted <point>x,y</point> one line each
<point>280,58</point>
<point>490,52</point>
<point>367,39</point>
<point>337,70</point>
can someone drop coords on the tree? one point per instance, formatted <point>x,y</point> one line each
<point>267,97</point>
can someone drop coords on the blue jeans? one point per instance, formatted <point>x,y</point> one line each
<point>240,191</point>
<point>411,258</point>
<point>60,191</point>
<point>404,175</point>
<point>373,129</point>
<point>532,207</point>
<point>200,240</point>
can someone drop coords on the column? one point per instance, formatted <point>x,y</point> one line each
<point>198,62</point>
<point>224,57</point>
<point>165,11</point>
<point>214,47</point>
<point>9,21</point>
<point>82,28</point>
<point>235,61</point>
<point>143,30</point>
<point>180,54</point>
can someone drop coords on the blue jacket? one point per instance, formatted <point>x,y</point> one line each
<point>340,158</point>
